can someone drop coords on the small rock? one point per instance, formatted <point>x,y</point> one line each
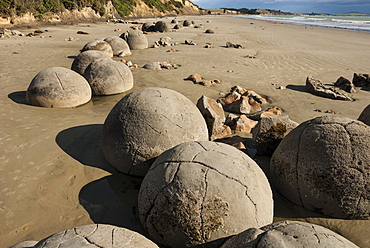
<point>82,32</point>
<point>153,66</point>
<point>210,31</point>
<point>281,87</point>
<point>196,78</point>
<point>345,84</point>
<point>189,42</point>
<point>232,45</point>
<point>270,131</point>
<point>267,113</point>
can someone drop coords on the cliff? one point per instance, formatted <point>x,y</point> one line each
<point>24,11</point>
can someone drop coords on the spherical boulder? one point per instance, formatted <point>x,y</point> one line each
<point>85,58</point>
<point>147,122</point>
<point>324,165</point>
<point>119,46</point>
<point>58,87</point>
<point>108,77</point>
<point>96,235</point>
<point>135,39</point>
<point>99,45</point>
<point>288,234</point>
<point>187,23</point>
<point>148,27</point>
<point>202,192</point>
<point>162,26</point>
<point>365,115</point>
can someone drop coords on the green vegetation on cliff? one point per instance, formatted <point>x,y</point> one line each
<point>43,7</point>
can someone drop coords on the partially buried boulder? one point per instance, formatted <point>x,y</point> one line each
<point>99,45</point>
<point>96,235</point>
<point>365,115</point>
<point>85,58</point>
<point>193,196</point>
<point>148,27</point>
<point>58,87</point>
<point>147,122</point>
<point>288,234</point>
<point>316,87</point>
<point>324,165</point>
<point>108,77</point>
<point>270,131</point>
<point>119,46</point>
<point>162,26</point>
<point>135,39</point>
<point>153,66</point>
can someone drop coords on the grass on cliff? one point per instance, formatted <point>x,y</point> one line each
<point>44,7</point>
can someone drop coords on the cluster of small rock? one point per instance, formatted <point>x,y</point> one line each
<point>316,87</point>
<point>8,33</point>
<point>164,42</point>
<point>197,79</point>
<point>160,65</point>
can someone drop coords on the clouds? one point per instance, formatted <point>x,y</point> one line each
<point>305,6</point>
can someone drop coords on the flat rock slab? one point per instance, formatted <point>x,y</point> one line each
<point>316,87</point>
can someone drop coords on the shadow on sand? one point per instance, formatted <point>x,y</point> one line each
<point>18,97</point>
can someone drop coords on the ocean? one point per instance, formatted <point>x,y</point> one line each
<point>356,23</point>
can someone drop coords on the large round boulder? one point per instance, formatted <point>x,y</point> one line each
<point>365,115</point>
<point>202,192</point>
<point>96,235</point>
<point>324,165</point>
<point>288,234</point>
<point>119,46</point>
<point>162,26</point>
<point>108,77</point>
<point>85,58</point>
<point>99,45</point>
<point>58,87</point>
<point>135,39</point>
<point>146,123</point>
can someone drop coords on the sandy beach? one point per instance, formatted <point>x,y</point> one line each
<point>53,175</point>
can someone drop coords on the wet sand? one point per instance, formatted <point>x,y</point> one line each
<point>53,175</point>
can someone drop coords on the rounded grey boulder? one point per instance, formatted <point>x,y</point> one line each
<point>324,165</point>
<point>25,244</point>
<point>148,27</point>
<point>119,46</point>
<point>58,87</point>
<point>99,45</point>
<point>162,26</point>
<point>187,23</point>
<point>203,192</point>
<point>135,39</point>
<point>288,234</point>
<point>108,77</point>
<point>85,58</point>
<point>365,115</point>
<point>147,122</point>
<point>96,235</point>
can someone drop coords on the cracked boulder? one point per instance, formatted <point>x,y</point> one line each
<point>365,115</point>
<point>85,58</point>
<point>199,193</point>
<point>135,39</point>
<point>96,235</point>
<point>324,165</point>
<point>119,46</point>
<point>345,85</point>
<point>58,87</point>
<point>270,131</point>
<point>108,77</point>
<point>316,87</point>
<point>99,45</point>
<point>288,234</point>
<point>147,122</point>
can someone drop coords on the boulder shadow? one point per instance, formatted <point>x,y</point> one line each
<point>301,88</point>
<point>72,56</point>
<point>18,97</point>
<point>83,144</point>
<point>113,200</point>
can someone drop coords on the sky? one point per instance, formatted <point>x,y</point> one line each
<point>299,6</point>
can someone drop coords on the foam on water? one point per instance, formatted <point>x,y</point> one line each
<point>356,23</point>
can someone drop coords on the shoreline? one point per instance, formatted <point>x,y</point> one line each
<point>51,157</point>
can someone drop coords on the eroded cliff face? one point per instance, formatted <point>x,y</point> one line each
<point>140,10</point>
